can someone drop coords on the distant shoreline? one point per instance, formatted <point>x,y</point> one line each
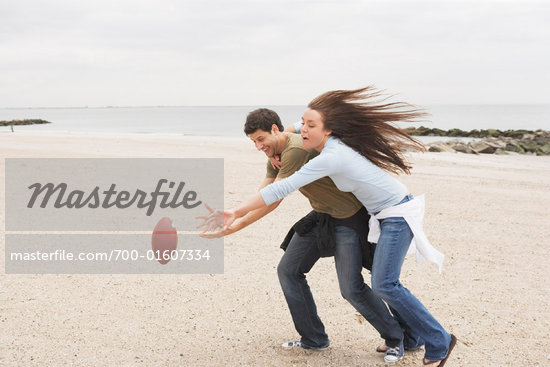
<point>414,131</point>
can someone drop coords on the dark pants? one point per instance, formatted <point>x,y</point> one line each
<point>302,253</point>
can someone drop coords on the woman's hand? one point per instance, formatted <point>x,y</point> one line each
<point>217,219</point>
<point>224,218</point>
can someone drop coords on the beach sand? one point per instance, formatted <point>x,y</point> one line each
<point>489,214</point>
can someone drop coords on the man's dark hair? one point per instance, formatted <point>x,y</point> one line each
<point>262,119</point>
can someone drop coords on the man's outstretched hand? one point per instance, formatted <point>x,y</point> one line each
<point>216,234</point>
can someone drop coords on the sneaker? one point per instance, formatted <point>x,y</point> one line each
<point>298,344</point>
<point>394,354</point>
<point>382,348</point>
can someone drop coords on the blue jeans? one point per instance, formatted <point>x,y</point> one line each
<point>299,258</point>
<point>395,239</point>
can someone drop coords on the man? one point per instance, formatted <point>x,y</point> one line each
<point>264,128</point>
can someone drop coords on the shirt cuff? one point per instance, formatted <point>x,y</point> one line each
<point>297,126</point>
<point>268,195</point>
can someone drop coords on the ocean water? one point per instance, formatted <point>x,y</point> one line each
<point>229,120</point>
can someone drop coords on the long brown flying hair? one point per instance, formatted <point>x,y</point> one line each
<point>364,122</point>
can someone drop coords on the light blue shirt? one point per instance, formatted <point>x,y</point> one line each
<point>375,188</point>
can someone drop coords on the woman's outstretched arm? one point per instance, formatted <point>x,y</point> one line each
<point>316,168</point>
<point>224,218</point>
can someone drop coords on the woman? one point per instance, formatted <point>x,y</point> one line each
<point>358,147</point>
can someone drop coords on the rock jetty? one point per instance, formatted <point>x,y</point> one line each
<point>24,122</point>
<point>489,141</point>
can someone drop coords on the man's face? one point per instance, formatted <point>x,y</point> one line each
<point>265,141</point>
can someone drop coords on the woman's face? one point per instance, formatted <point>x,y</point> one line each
<point>313,130</point>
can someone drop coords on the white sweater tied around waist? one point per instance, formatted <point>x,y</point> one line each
<point>413,213</point>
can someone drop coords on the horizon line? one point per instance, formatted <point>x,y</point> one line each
<point>252,105</point>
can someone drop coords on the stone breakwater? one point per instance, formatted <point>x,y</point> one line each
<point>24,122</point>
<point>534,143</point>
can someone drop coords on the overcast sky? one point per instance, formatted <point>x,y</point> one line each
<point>179,52</point>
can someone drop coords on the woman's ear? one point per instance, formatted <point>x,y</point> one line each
<point>326,131</point>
